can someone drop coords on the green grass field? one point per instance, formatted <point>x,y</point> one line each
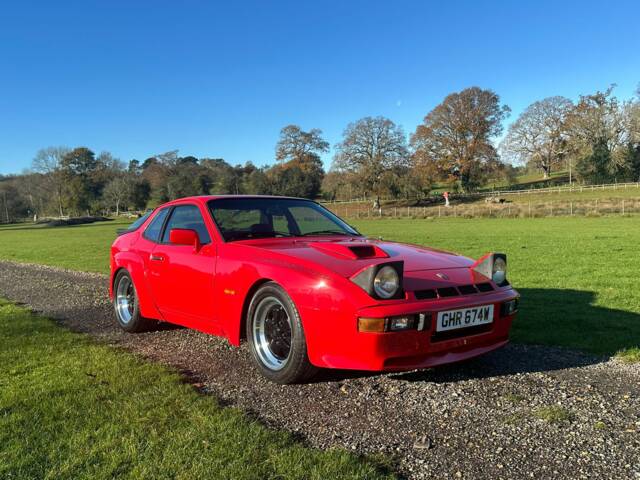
<point>578,276</point>
<point>73,409</point>
<point>80,247</point>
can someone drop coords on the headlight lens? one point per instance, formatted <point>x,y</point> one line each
<point>386,282</point>
<point>499,274</point>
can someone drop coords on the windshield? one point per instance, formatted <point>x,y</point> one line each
<point>244,218</point>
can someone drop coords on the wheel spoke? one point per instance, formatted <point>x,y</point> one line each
<point>272,333</point>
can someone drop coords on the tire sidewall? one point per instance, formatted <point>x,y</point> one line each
<point>136,320</point>
<point>297,367</point>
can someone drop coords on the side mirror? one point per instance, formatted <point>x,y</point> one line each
<point>184,236</point>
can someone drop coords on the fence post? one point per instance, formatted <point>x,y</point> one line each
<point>438,211</point>
<point>408,211</point>
<point>395,212</point>
<point>571,209</point>
<point>623,207</point>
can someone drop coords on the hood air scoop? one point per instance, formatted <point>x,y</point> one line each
<point>349,250</point>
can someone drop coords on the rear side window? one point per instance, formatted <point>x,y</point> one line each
<point>138,223</point>
<point>187,216</point>
<point>154,229</point>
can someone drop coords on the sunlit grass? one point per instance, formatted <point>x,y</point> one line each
<point>70,409</point>
<point>629,355</point>
<point>79,247</point>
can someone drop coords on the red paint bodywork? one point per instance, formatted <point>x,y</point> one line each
<point>208,288</point>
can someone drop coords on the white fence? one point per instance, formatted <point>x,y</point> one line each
<point>565,188</point>
<point>502,210</point>
<point>574,188</point>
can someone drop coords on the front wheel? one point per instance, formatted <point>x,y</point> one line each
<point>276,336</point>
<point>126,304</point>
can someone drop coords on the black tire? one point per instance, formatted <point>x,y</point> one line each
<point>128,317</point>
<point>271,299</point>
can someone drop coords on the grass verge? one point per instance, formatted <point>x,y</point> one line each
<point>71,408</point>
<point>629,355</point>
<point>79,247</point>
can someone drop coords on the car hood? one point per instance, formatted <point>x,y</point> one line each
<point>345,256</point>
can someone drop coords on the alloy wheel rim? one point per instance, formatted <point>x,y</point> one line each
<point>272,333</point>
<point>125,300</point>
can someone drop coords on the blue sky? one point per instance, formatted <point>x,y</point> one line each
<point>220,79</point>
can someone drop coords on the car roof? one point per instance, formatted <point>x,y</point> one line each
<point>206,198</point>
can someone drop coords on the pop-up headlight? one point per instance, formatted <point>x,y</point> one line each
<point>493,266</point>
<point>382,281</point>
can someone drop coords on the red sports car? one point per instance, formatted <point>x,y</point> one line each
<point>305,289</point>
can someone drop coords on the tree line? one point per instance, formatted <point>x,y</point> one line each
<point>457,145</point>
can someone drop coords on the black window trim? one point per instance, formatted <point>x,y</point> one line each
<point>166,221</point>
<point>221,235</point>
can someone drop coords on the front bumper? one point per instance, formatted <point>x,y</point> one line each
<point>347,348</point>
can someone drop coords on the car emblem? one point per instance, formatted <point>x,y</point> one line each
<point>443,276</point>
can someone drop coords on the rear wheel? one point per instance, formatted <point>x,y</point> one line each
<point>276,336</point>
<point>126,304</point>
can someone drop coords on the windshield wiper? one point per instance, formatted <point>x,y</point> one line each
<point>282,234</point>
<point>255,235</point>
<point>329,232</point>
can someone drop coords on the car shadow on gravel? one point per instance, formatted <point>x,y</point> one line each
<point>556,329</point>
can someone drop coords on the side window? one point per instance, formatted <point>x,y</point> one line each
<point>153,230</point>
<point>187,216</point>
<point>138,223</point>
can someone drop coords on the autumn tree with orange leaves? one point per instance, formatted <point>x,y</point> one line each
<point>456,137</point>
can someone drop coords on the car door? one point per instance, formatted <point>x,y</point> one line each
<point>182,276</point>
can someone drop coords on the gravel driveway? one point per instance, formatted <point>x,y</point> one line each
<point>521,412</point>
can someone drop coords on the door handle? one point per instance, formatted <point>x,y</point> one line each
<point>157,258</point>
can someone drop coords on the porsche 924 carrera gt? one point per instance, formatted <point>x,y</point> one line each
<point>305,289</point>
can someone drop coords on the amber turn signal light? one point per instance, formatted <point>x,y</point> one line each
<point>371,324</point>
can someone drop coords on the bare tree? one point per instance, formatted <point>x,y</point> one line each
<point>539,135</point>
<point>633,119</point>
<point>371,147</point>
<point>297,145</point>
<point>116,192</point>
<point>48,161</point>
<point>457,135</point>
